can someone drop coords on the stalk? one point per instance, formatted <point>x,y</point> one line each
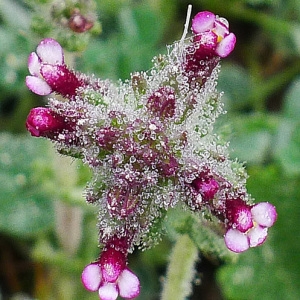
<point>181,270</point>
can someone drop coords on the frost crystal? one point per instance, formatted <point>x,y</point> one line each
<point>151,146</point>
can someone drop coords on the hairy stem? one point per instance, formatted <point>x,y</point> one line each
<point>181,270</point>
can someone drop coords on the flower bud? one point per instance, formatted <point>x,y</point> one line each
<point>42,121</point>
<point>207,187</point>
<point>78,23</point>
<point>49,72</point>
<point>106,137</point>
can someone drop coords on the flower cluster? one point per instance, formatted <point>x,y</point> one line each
<point>151,146</point>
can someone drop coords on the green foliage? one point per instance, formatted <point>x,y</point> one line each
<point>288,136</point>
<point>252,137</point>
<point>14,46</point>
<point>235,83</point>
<point>130,48</point>
<point>270,143</point>
<point>26,206</point>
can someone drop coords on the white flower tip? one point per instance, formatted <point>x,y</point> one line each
<point>50,51</point>
<point>129,284</point>
<point>264,214</point>
<point>257,236</point>
<point>236,241</point>
<point>38,86</point>
<point>203,21</point>
<point>108,291</point>
<point>91,277</point>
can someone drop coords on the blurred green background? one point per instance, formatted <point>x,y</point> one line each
<point>48,233</point>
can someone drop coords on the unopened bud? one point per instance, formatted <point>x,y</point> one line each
<point>78,23</point>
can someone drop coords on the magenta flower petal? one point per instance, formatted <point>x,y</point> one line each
<point>236,241</point>
<point>239,215</point>
<point>203,21</point>
<point>208,40</point>
<point>129,284</point>
<point>264,214</point>
<point>38,85</point>
<point>50,51</point>
<point>60,79</point>
<point>108,291</point>
<point>112,264</point>
<point>243,219</point>
<point>257,235</point>
<point>91,277</point>
<point>34,64</point>
<point>226,46</point>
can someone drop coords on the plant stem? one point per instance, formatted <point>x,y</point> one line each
<point>181,270</point>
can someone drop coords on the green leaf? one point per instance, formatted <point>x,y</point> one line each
<point>287,146</point>
<point>291,108</point>
<point>235,82</point>
<point>9,9</point>
<point>128,49</point>
<point>270,271</point>
<point>252,137</point>
<point>26,207</point>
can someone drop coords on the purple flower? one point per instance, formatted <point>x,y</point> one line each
<point>249,226</point>
<point>212,34</point>
<point>211,41</point>
<point>110,277</point>
<point>49,72</point>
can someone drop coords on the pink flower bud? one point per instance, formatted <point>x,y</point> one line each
<point>207,187</point>
<point>212,34</point>
<point>78,23</point>
<point>42,121</point>
<point>262,216</point>
<point>60,79</point>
